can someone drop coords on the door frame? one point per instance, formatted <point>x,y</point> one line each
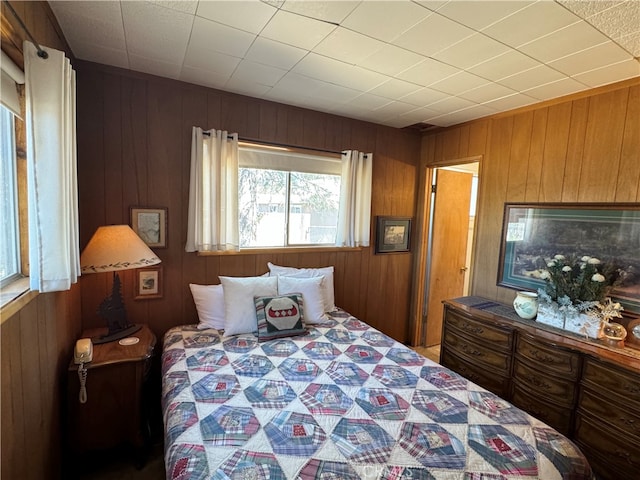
<point>423,221</point>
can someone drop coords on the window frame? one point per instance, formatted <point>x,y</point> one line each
<point>321,163</point>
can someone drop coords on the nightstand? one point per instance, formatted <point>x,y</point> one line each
<point>113,413</point>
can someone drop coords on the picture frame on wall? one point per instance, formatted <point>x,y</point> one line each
<point>151,225</point>
<point>148,283</point>
<point>533,233</point>
<point>393,234</point>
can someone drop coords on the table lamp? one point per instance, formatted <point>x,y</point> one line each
<point>113,248</point>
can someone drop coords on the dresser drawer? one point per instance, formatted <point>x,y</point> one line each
<point>617,450</point>
<point>604,378</point>
<point>477,353</point>
<point>550,357</point>
<point>553,389</point>
<point>493,382</point>
<point>620,416</point>
<point>499,337</point>
<point>558,417</point>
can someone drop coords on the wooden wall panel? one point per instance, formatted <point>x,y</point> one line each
<point>140,138</point>
<point>583,148</point>
<point>36,342</point>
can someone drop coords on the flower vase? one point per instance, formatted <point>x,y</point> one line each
<point>526,304</point>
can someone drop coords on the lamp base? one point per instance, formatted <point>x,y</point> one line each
<point>110,337</point>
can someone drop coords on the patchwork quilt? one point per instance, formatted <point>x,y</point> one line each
<point>343,401</point>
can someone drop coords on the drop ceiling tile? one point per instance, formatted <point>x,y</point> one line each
<point>631,43</point>
<point>531,78</point>
<point>347,46</point>
<point>296,30</point>
<point>361,79</point>
<point>566,41</point>
<point>391,60</point>
<point>460,82</point>
<point>590,59</point>
<point>610,73</point>
<point>511,102</point>
<point>336,93</point>
<point>450,104</point>
<point>471,51</point>
<point>339,73</point>
<point>394,89</point>
<point>535,20</point>
<point>417,115</point>
<point>367,101</point>
<point>619,20</point>
<point>294,85</point>
<point>487,92</point>
<point>423,96</point>
<point>248,72</point>
<point>101,54</point>
<point>427,72</point>
<point>186,6</point>
<point>432,4</point>
<point>166,41</point>
<point>154,67</point>
<point>220,38</point>
<point>556,89</point>
<point>504,65</point>
<point>432,34</point>
<point>198,56</point>
<point>384,19</point>
<point>465,115</point>
<point>250,16</point>
<point>333,12</point>
<point>203,77</point>
<point>98,23</point>
<point>394,108</point>
<point>276,54</point>
<point>246,87</point>
<point>480,14</point>
<point>587,8</point>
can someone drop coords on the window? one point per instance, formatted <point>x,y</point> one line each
<point>287,198</point>
<point>9,238</point>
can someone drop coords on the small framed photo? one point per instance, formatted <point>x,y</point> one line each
<point>393,234</point>
<point>148,283</point>
<point>151,225</point>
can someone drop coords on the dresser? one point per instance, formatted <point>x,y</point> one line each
<point>585,389</point>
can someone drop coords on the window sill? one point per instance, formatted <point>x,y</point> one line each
<point>263,251</point>
<point>15,296</point>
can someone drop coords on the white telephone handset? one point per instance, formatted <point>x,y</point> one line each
<point>83,353</point>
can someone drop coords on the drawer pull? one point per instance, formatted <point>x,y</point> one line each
<point>471,351</point>
<point>537,382</point>
<point>470,328</point>
<point>634,389</point>
<point>543,358</point>
<point>623,454</point>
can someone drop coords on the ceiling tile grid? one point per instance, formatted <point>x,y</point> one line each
<point>393,62</point>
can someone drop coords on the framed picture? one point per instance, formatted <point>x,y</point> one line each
<point>393,234</point>
<point>148,283</point>
<point>151,225</point>
<point>532,234</point>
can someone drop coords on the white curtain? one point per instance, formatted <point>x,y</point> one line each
<point>213,192</point>
<point>54,254</point>
<point>354,213</point>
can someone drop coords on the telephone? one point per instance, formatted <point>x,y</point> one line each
<point>83,353</point>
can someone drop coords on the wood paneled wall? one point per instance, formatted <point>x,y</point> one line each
<point>134,147</point>
<point>584,148</point>
<point>37,341</point>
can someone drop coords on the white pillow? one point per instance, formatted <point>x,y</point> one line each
<point>311,290</point>
<point>209,300</point>
<point>326,272</point>
<point>239,306</point>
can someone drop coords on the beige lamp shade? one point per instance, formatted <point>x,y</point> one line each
<point>116,247</point>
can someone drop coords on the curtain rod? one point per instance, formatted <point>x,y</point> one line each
<point>285,145</point>
<point>41,52</point>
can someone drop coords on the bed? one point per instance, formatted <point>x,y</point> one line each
<point>340,401</point>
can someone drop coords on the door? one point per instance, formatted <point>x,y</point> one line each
<point>448,259</point>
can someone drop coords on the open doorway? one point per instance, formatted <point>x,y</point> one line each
<point>450,241</point>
